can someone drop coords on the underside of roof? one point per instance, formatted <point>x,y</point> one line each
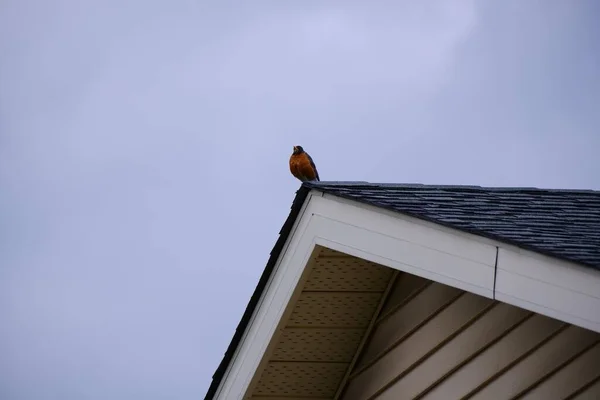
<point>527,218</point>
<point>315,348</point>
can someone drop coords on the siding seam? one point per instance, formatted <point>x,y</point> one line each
<point>516,361</point>
<point>433,350</point>
<point>404,302</point>
<point>495,273</point>
<point>402,338</point>
<point>472,356</point>
<point>583,388</point>
<point>554,371</point>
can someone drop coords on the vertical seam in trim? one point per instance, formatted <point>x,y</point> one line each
<point>495,273</point>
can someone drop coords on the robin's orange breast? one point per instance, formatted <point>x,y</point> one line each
<point>301,168</point>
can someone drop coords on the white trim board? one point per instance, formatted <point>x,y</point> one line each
<point>525,279</point>
<point>548,286</point>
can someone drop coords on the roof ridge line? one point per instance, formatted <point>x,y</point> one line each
<point>384,185</point>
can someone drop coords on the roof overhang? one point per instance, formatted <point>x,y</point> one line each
<point>499,271</point>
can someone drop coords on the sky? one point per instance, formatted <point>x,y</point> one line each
<point>144,151</point>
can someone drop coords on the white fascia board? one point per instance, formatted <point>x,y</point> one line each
<point>548,286</point>
<point>462,260</point>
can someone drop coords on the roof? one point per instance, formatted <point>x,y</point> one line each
<point>561,223</point>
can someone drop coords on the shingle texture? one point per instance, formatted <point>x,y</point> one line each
<point>561,223</point>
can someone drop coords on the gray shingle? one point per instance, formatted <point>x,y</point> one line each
<point>558,222</point>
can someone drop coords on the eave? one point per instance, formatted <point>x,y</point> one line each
<point>469,262</point>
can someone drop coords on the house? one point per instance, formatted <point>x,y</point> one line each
<point>385,291</point>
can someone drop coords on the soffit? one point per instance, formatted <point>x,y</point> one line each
<point>315,349</point>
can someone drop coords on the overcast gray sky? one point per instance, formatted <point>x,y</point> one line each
<point>144,149</point>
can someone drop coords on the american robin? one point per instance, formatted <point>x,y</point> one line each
<point>302,165</point>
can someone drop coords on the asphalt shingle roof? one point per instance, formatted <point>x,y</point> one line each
<point>560,223</point>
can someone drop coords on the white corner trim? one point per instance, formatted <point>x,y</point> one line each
<point>465,261</point>
<point>548,286</point>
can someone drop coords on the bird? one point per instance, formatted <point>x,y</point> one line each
<point>302,165</point>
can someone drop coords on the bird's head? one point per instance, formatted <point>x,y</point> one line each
<point>298,150</point>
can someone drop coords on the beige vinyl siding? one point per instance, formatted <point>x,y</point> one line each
<point>588,392</point>
<point>432,341</point>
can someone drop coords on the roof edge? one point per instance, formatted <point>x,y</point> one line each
<point>366,184</point>
<point>284,233</point>
<point>322,186</point>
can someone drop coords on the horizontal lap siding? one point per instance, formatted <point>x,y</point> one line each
<point>588,392</point>
<point>437,342</point>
